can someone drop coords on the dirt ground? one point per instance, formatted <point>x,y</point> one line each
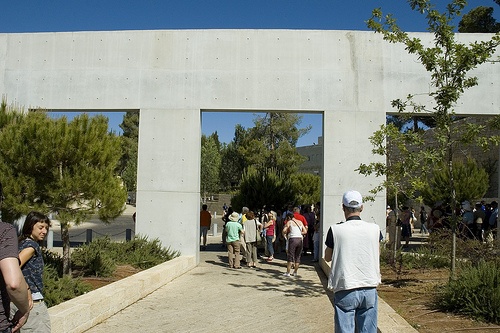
<point>121,272</point>
<point>411,297</point>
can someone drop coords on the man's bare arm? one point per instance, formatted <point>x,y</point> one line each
<point>15,283</point>
<point>328,254</point>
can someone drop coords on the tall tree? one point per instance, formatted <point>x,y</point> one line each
<point>210,165</point>
<point>263,188</point>
<point>271,142</point>
<point>448,63</point>
<point>232,160</point>
<point>471,182</point>
<point>68,169</point>
<point>479,19</point>
<point>306,188</point>
<point>130,147</point>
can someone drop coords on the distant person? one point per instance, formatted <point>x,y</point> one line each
<point>316,241</point>
<point>243,245</point>
<point>234,230</point>
<point>391,223</point>
<point>205,222</point>
<point>311,219</point>
<point>493,223</point>
<point>353,248</point>
<point>270,227</point>
<point>289,209</point>
<point>298,216</point>
<point>280,241</point>
<point>479,221</point>
<point>252,227</point>
<point>35,228</point>
<point>467,220</point>
<point>294,230</point>
<point>225,219</point>
<point>406,217</point>
<point>423,221</point>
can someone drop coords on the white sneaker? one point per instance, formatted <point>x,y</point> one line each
<point>286,275</point>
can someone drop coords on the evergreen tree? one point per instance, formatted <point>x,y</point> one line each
<point>232,161</point>
<point>210,165</point>
<point>471,183</point>
<point>263,188</point>
<point>130,147</point>
<point>58,167</point>
<point>479,19</point>
<point>271,142</point>
<point>306,188</point>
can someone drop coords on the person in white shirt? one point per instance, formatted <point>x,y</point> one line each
<point>353,249</point>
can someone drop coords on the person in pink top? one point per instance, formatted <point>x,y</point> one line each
<point>270,227</point>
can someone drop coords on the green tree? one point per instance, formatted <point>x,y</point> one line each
<point>471,182</point>
<point>306,188</point>
<point>479,19</point>
<point>130,147</point>
<point>448,63</point>
<point>210,165</point>
<point>263,188</point>
<point>66,168</point>
<point>232,161</point>
<point>271,142</point>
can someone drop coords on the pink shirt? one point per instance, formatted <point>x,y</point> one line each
<point>270,229</point>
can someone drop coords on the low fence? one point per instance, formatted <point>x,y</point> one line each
<point>89,236</point>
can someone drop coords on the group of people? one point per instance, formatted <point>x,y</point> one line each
<point>21,264</point>
<point>478,221</point>
<point>276,231</point>
<point>352,247</point>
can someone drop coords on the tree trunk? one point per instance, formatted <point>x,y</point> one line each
<point>66,248</point>
<point>453,203</point>
<point>397,232</point>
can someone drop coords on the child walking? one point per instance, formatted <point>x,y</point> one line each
<point>35,228</point>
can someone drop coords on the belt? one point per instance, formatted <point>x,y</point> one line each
<point>37,301</point>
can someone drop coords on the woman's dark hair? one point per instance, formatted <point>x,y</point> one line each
<point>289,216</point>
<point>32,219</point>
<point>250,215</point>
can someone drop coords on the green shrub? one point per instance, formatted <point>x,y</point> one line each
<point>95,258</point>
<point>143,253</point>
<point>426,258</point>
<point>58,289</point>
<point>100,257</point>
<point>53,260</point>
<point>466,249</point>
<point>475,292</point>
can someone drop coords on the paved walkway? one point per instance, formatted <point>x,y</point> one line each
<point>215,298</point>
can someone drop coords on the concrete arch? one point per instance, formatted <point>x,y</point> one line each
<point>171,75</point>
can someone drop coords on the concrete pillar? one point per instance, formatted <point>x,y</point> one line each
<point>168,182</point>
